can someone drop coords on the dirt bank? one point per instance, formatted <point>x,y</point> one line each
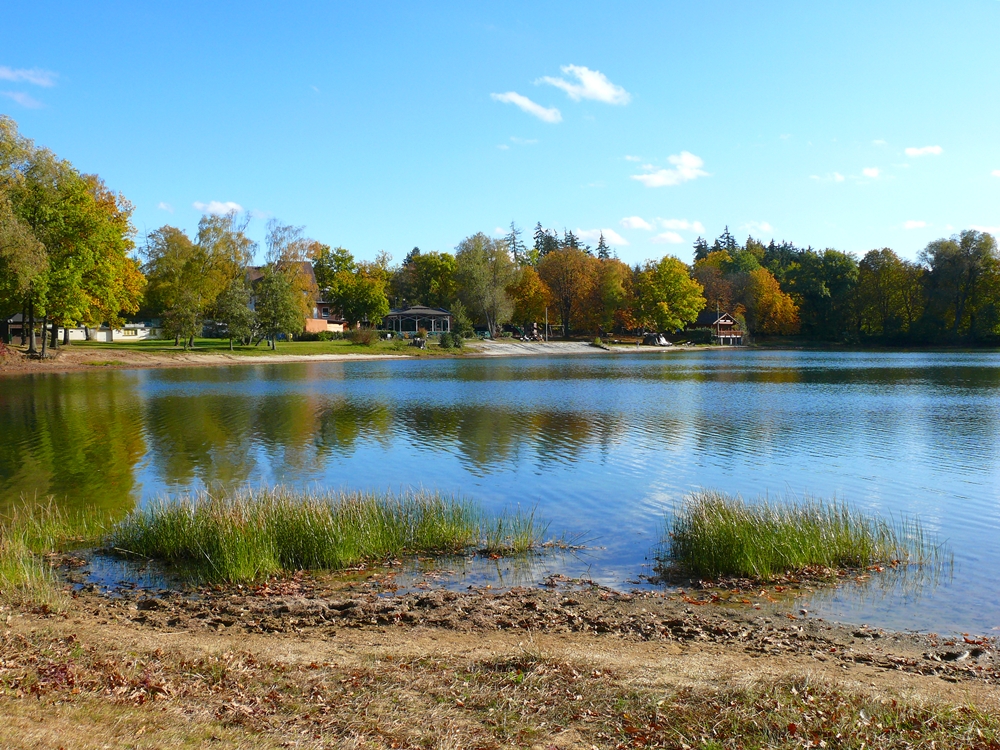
<point>75,359</point>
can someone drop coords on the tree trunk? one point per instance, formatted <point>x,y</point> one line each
<point>191,342</point>
<point>45,336</point>
<point>86,333</point>
<point>230,343</point>
<point>31,328</point>
<point>177,340</point>
<point>66,335</point>
<point>55,335</point>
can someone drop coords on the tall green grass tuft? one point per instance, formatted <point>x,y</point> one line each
<point>253,533</point>
<point>715,534</point>
<point>28,533</point>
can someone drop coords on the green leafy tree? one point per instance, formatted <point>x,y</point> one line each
<point>963,284</point>
<point>277,303</point>
<point>667,298</point>
<point>824,286</point>
<point>484,271</point>
<point>570,276</point>
<point>232,311</point>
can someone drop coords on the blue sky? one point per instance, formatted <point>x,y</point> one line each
<point>390,125</point>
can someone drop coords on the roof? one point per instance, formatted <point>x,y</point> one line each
<point>421,311</point>
<point>256,272</point>
<point>707,318</point>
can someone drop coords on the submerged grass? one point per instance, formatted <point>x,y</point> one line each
<point>715,534</point>
<point>253,533</point>
<point>29,533</point>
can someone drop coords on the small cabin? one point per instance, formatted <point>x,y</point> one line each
<point>412,319</point>
<point>725,328</point>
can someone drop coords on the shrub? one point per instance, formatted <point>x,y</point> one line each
<point>363,336</point>
<point>421,333</point>
<point>445,342</point>
<point>597,341</point>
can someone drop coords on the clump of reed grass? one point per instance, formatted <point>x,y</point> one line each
<point>714,534</point>
<point>254,533</point>
<point>29,533</point>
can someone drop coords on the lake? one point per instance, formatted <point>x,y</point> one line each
<point>601,446</point>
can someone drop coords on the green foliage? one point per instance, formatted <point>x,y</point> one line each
<point>276,303</point>
<point>251,534</point>
<point>963,285</point>
<point>714,534</point>
<point>232,310</point>
<point>667,298</point>
<point>363,336</point>
<point>461,325</point>
<point>484,271</point>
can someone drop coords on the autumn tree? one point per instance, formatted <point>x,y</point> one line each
<point>530,297</point>
<point>570,276</point>
<point>768,309</point>
<point>667,298</point>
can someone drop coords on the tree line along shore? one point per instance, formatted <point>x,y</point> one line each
<point>69,256</point>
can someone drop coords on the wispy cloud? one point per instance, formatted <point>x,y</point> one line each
<point>682,225</point>
<point>871,173</point>
<point>635,222</point>
<point>879,142</point>
<point>546,114</point>
<point>912,224</point>
<point>590,84</point>
<point>830,177</point>
<point>924,151</point>
<point>987,229</point>
<point>25,100</point>
<point>687,167</point>
<point>503,146</point>
<point>218,208</point>
<point>523,141</point>
<point>633,158</point>
<point>668,238</point>
<point>36,76</point>
<point>995,173</point>
<point>163,206</point>
<point>760,227</point>
<point>593,235</point>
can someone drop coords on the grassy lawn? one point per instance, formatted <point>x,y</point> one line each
<point>221,346</point>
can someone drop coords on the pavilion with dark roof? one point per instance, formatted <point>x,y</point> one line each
<point>412,319</point>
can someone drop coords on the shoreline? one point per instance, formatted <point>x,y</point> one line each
<point>83,359</point>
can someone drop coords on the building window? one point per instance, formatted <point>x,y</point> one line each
<point>326,312</point>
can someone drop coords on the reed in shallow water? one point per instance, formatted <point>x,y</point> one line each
<point>253,533</point>
<point>715,534</point>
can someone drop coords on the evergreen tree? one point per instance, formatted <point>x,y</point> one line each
<point>603,251</point>
<point>540,237</point>
<point>516,245</point>
<point>570,240</point>
<point>701,249</point>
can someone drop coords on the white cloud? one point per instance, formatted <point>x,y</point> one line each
<point>995,173</point>
<point>871,172</point>
<point>988,230</point>
<point>165,207</point>
<point>550,114</point>
<point>687,167</point>
<point>785,136</point>
<point>914,224</point>
<point>924,151</point>
<point>758,226</point>
<point>682,224</point>
<point>834,177</point>
<point>23,99</point>
<point>523,141</point>
<point>34,75</point>
<point>503,146</point>
<point>591,84</point>
<point>593,235</point>
<point>668,238</point>
<point>632,158</point>
<point>879,142</point>
<point>635,222</point>
<point>499,231</point>
<point>218,208</point>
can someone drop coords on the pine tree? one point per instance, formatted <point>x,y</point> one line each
<point>603,251</point>
<point>516,246</point>
<point>539,236</point>
<point>701,249</point>
<point>570,240</point>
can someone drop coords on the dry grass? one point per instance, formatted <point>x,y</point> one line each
<point>57,690</point>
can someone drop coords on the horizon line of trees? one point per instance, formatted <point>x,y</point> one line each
<point>68,257</point>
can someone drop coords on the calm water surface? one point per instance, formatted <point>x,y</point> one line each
<point>602,446</point>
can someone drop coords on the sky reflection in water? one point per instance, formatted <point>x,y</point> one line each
<point>602,446</point>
